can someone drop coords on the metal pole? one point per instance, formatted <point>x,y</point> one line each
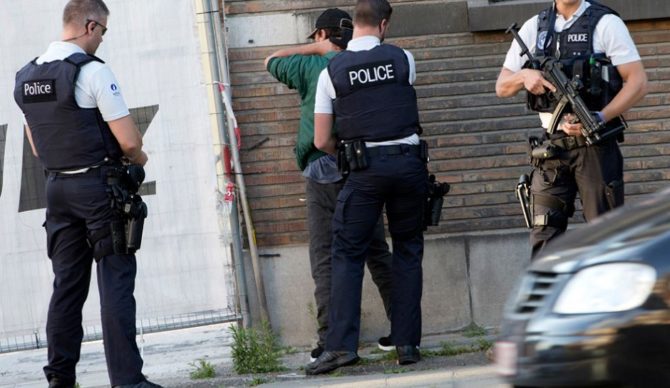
<point>210,8</point>
<point>214,66</point>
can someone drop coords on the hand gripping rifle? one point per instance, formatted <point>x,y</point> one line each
<point>567,92</point>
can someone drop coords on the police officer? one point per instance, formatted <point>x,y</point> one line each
<point>593,43</point>
<point>299,68</point>
<point>368,88</point>
<point>79,127</point>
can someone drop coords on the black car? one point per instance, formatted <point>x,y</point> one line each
<point>595,308</point>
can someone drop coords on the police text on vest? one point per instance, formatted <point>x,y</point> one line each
<point>36,88</point>
<point>371,74</point>
<point>578,38</point>
<point>39,91</point>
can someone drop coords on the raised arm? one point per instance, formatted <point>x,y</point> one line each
<point>316,48</point>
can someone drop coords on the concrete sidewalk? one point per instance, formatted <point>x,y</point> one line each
<point>463,377</point>
<point>168,357</point>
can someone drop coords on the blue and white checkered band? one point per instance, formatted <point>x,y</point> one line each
<point>541,40</point>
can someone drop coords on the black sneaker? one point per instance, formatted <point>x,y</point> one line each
<point>329,361</point>
<point>385,344</point>
<point>316,352</point>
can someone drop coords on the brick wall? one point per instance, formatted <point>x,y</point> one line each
<point>477,140</point>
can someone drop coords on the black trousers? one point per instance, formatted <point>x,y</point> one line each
<point>596,172</point>
<point>398,182</point>
<point>321,201</point>
<point>78,205</point>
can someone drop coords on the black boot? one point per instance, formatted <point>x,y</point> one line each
<point>329,361</point>
<point>408,354</point>
<point>58,382</point>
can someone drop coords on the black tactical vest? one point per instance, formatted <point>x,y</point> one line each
<point>66,136</point>
<point>601,80</point>
<point>374,99</point>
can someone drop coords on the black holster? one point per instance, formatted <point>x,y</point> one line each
<point>434,201</point>
<point>124,183</point>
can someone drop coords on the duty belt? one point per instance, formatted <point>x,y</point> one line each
<point>81,170</point>
<point>396,149</point>
<point>569,143</point>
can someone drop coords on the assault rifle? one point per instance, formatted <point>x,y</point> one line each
<point>567,92</point>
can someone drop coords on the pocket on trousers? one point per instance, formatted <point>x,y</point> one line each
<point>49,239</point>
<point>340,207</point>
<point>614,192</point>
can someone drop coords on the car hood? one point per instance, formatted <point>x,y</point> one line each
<point>637,232</point>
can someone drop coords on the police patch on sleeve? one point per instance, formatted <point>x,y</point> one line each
<point>371,74</point>
<point>115,90</point>
<point>39,91</point>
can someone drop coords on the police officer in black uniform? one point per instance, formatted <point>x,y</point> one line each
<point>369,89</point>
<point>79,127</point>
<point>594,46</point>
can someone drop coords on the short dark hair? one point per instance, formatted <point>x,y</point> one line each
<point>372,12</point>
<point>78,11</point>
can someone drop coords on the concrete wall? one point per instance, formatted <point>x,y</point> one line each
<point>478,144</point>
<point>466,280</point>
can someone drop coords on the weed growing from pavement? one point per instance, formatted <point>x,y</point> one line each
<point>203,370</point>
<point>390,356</point>
<point>336,373</point>
<point>256,350</point>
<point>396,370</point>
<point>289,350</point>
<point>258,381</point>
<point>474,330</point>
<point>448,349</point>
<point>77,385</point>
<point>484,344</point>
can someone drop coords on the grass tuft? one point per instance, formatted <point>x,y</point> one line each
<point>474,330</point>
<point>256,350</point>
<point>203,370</point>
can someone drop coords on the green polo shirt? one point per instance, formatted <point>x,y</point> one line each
<point>301,72</point>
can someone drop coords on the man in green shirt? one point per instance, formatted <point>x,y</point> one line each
<point>299,68</point>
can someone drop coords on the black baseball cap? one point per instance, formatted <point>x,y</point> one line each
<point>332,18</point>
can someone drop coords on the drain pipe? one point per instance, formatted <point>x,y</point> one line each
<point>209,12</point>
<point>212,71</point>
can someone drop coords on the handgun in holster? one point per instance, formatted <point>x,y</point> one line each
<point>522,193</point>
<point>434,201</point>
<point>127,227</point>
